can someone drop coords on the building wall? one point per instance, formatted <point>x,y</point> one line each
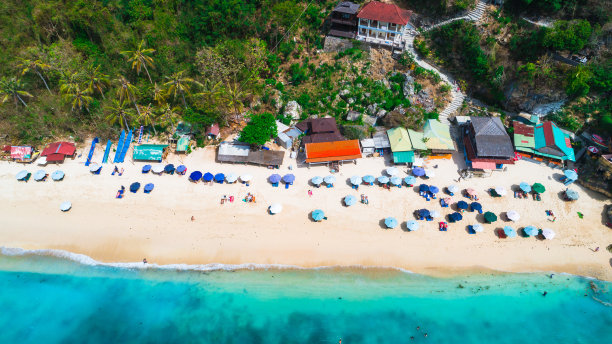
<point>384,31</point>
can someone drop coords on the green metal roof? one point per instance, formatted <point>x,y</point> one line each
<point>437,136</point>
<point>416,139</point>
<point>148,152</point>
<point>403,157</point>
<point>182,144</point>
<point>399,139</point>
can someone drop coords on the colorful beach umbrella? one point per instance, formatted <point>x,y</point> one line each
<point>134,187</point>
<point>455,216</point>
<point>471,192</point>
<point>350,200</point>
<point>429,173</point>
<point>392,171</point>
<point>453,189</point>
<point>500,190</point>
<point>231,178</point>
<point>418,171</point>
<point>423,188</point>
<point>246,177</point>
<point>548,234</point>
<point>531,231</point>
<point>158,168</point>
<point>434,214</point>
<point>410,180</point>
<point>490,217</point>
<point>219,177</point>
<point>390,222</point>
<point>208,177</point>
<point>146,168</point>
<point>369,179</point>
<point>477,227</point>
<point>318,215</point>
<point>288,178</point>
<point>538,188</point>
<point>462,205</point>
<point>412,225</point>
<point>169,168</point>
<point>356,180</point>
<point>57,175</point>
<point>433,189</point>
<point>39,175</point>
<point>316,180</point>
<point>395,180</point>
<point>513,215</point>
<point>572,195</point>
<point>275,208</point>
<point>383,179</point>
<point>525,187</point>
<point>275,178</point>
<point>181,168</point>
<point>149,187</point>
<point>424,212</point>
<point>509,232</point>
<point>21,174</point>
<point>195,176</point>
<point>476,207</point>
<point>329,179</point>
<point>94,167</point>
<point>65,206</point>
<point>570,174</point>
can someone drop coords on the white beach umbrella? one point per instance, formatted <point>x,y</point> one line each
<point>453,188</point>
<point>434,214</point>
<point>246,177</point>
<point>500,190</point>
<point>65,206</point>
<point>548,233</point>
<point>94,167</point>
<point>158,168</point>
<point>275,208</point>
<point>42,160</point>
<point>232,177</point>
<point>477,227</point>
<point>513,215</point>
<point>429,173</point>
<point>392,171</point>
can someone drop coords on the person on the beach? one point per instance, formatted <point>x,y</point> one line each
<point>192,218</point>
<point>310,193</point>
<point>144,261</point>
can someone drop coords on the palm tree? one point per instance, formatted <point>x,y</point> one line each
<point>79,98</point>
<point>168,116</point>
<point>180,84</point>
<point>69,82</point>
<point>147,117</point>
<point>140,58</point>
<point>235,94</point>
<point>212,93</point>
<point>159,95</point>
<point>36,66</point>
<point>119,113</point>
<point>97,81</point>
<point>126,91</point>
<point>13,88</point>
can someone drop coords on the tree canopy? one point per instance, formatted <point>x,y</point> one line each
<point>260,129</point>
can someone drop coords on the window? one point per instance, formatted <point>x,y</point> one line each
<point>391,35</point>
<point>374,23</point>
<point>363,31</point>
<point>392,26</point>
<point>363,22</point>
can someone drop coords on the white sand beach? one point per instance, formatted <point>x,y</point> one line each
<point>158,226</point>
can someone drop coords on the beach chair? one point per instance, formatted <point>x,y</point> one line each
<point>98,171</point>
<point>27,177</point>
<point>286,185</point>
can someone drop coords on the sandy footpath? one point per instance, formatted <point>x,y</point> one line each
<point>158,226</point>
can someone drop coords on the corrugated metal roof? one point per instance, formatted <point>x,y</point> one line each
<point>381,141</point>
<point>416,139</point>
<point>437,136</point>
<point>399,139</point>
<point>227,148</point>
<point>332,151</point>
<point>367,143</point>
<point>491,138</point>
<point>389,13</point>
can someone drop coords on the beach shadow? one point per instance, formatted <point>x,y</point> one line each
<point>480,218</point>
<point>611,262</point>
<point>404,226</point>
<point>382,224</point>
<point>469,230</point>
<point>604,215</point>
<point>558,177</point>
<point>561,195</point>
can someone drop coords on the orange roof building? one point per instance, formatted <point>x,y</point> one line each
<point>332,151</point>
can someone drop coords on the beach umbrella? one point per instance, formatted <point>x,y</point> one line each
<point>476,207</point>
<point>349,200</point>
<point>434,214</point>
<point>195,176</point>
<point>21,174</point>
<point>181,168</point>
<point>219,177</point>
<point>65,206</point>
<point>490,217</point>
<point>39,175</point>
<point>433,189</point>
<point>383,179</point>
<point>94,167</point>
<point>572,195</point>
<point>531,231</point>
<point>570,174</point>
<point>158,168</point>
<point>369,179</point>
<point>169,168</point>
<point>149,187</point>
<point>390,222</point>
<point>316,180</point>
<point>57,175</point>
<point>423,188</point>
<point>231,178</point>
<point>513,215</point>
<point>509,232</point>
<point>455,216</point>
<point>548,233</point>
<point>207,177</point>
<point>392,171</point>
<point>453,189</point>
<point>412,225</point>
<point>134,187</point>
<point>471,192</point>
<point>500,190</point>
<point>395,180</point>
<point>275,178</point>
<point>288,178</point>
<point>275,208</point>
<point>418,171</point>
<point>424,213</point>
<point>41,161</point>
<point>146,168</point>
<point>356,180</point>
<point>246,177</point>
<point>538,188</point>
<point>477,227</point>
<point>410,180</point>
<point>330,179</point>
<point>462,205</point>
<point>318,215</point>
<point>525,187</point>
<point>429,173</point>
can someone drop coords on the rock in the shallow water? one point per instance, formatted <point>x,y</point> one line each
<point>408,87</point>
<point>381,113</point>
<point>369,120</point>
<point>352,116</point>
<point>293,110</point>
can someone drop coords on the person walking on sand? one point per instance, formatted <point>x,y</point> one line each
<point>310,193</point>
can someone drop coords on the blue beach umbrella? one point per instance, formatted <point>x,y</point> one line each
<point>275,178</point>
<point>509,231</point>
<point>318,215</point>
<point>462,205</point>
<point>570,174</point>
<point>181,168</point>
<point>288,178</point>
<point>412,225</point>
<point>572,195</point>
<point>317,180</point>
<point>57,175</point>
<point>418,171</point>
<point>390,222</point>
<point>149,187</point>
<point>369,179</point>
<point>21,175</point>
<point>356,180</point>
<point>169,168</point>
<point>39,175</point>
<point>410,180</point>
<point>455,217</point>
<point>219,177</point>
<point>476,207</point>
<point>207,177</point>
<point>383,179</point>
<point>329,179</point>
<point>195,176</point>
<point>531,231</point>
<point>134,187</point>
<point>525,187</point>
<point>350,200</point>
<point>433,189</point>
<point>424,212</point>
<point>423,188</point>
<point>395,180</point>
<point>146,168</point>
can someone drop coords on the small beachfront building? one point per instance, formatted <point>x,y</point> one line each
<point>233,152</point>
<point>542,142</point>
<point>318,130</point>
<point>401,147</point>
<point>379,144</point>
<point>149,152</point>
<point>487,145</point>
<point>24,154</point>
<point>58,151</point>
<point>332,152</point>
<point>212,132</point>
<point>287,135</point>
<point>383,24</point>
<point>437,138</point>
<point>344,20</point>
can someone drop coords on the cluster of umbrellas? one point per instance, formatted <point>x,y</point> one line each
<point>287,178</point>
<point>40,175</point>
<point>537,188</point>
<point>547,233</point>
<point>420,172</point>
<point>196,176</point>
<point>161,168</point>
<point>147,188</point>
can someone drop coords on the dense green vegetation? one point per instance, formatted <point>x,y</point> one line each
<point>260,129</point>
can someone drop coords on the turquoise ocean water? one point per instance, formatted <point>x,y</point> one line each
<point>45,299</point>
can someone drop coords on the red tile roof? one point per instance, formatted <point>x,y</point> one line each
<point>385,13</point>
<point>523,129</point>
<point>333,151</point>
<point>549,137</point>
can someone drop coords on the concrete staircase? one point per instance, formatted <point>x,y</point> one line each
<point>474,15</point>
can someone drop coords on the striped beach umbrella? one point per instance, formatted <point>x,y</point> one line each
<point>390,222</point>
<point>412,225</point>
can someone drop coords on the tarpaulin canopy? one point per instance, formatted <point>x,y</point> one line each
<point>149,152</point>
<point>62,148</point>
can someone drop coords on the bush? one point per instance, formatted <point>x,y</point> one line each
<point>260,129</point>
<point>568,35</point>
